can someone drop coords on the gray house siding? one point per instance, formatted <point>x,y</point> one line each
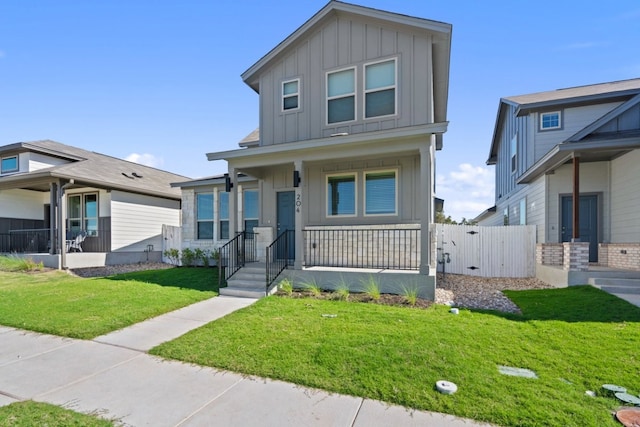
<point>345,41</point>
<point>625,200</point>
<point>505,177</point>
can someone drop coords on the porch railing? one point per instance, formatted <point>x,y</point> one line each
<point>278,256</point>
<point>37,240</point>
<point>235,253</point>
<point>390,249</point>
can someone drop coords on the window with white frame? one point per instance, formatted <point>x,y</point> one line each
<point>223,213</point>
<point>523,212</point>
<point>341,96</point>
<point>9,164</point>
<point>204,216</point>
<point>550,120</point>
<point>291,95</point>
<point>380,193</point>
<point>82,214</point>
<point>341,195</point>
<point>514,152</point>
<point>380,89</point>
<point>250,210</point>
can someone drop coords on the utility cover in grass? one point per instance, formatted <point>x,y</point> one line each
<point>517,372</point>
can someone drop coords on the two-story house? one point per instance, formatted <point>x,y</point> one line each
<point>567,161</point>
<point>353,106</point>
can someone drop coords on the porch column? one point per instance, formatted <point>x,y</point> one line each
<point>576,198</point>
<point>53,203</point>
<point>426,202</point>
<point>233,203</point>
<point>298,165</point>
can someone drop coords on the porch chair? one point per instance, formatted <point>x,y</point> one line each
<point>76,244</point>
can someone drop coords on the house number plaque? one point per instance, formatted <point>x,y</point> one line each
<point>298,202</point>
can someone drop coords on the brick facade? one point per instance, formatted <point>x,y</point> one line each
<point>624,256</point>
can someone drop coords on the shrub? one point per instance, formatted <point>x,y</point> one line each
<point>372,288</point>
<point>188,257</point>
<point>203,256</point>
<point>173,254</point>
<point>410,294</point>
<point>312,287</point>
<point>286,286</point>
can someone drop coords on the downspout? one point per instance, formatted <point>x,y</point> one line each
<point>62,224</point>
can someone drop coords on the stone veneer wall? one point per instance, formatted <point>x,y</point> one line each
<point>620,255</point>
<point>576,256</point>
<point>550,254</point>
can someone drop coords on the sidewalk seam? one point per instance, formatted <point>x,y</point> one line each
<point>191,415</point>
<point>355,417</point>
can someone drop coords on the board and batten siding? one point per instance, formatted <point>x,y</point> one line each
<point>344,41</point>
<point>136,220</point>
<point>625,198</point>
<point>505,178</point>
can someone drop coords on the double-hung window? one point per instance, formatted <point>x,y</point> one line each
<point>551,120</point>
<point>291,95</point>
<point>9,164</point>
<point>223,213</point>
<point>380,89</point>
<point>341,195</point>
<point>250,210</point>
<point>204,216</point>
<point>83,213</point>
<point>341,96</point>
<point>380,193</point>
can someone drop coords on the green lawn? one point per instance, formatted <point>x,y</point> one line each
<point>57,303</point>
<point>575,339</point>
<point>30,414</point>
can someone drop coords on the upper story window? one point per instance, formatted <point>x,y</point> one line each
<point>551,120</point>
<point>380,89</point>
<point>380,193</point>
<point>341,96</point>
<point>9,164</point>
<point>341,195</point>
<point>204,216</point>
<point>514,152</point>
<point>291,95</point>
<point>83,213</point>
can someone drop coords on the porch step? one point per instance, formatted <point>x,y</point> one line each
<point>617,285</point>
<point>248,282</point>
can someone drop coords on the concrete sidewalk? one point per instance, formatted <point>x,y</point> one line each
<point>113,377</point>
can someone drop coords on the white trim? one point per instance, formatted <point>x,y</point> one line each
<point>355,194</point>
<point>364,196</point>
<point>380,89</point>
<point>16,169</point>
<point>283,96</point>
<point>329,98</point>
<point>547,113</point>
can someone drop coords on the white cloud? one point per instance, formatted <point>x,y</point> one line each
<point>467,191</point>
<point>145,159</point>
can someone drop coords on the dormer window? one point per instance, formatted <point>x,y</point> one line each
<point>341,96</point>
<point>380,89</point>
<point>9,164</point>
<point>291,95</point>
<point>551,120</point>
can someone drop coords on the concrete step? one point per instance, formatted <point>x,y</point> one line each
<point>256,276</point>
<point>243,292</point>
<point>600,282</point>
<point>243,283</point>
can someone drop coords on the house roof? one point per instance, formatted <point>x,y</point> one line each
<point>88,168</point>
<point>573,96</point>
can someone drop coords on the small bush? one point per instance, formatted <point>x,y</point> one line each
<point>286,286</point>
<point>173,254</point>
<point>313,288</point>
<point>372,288</point>
<point>410,294</point>
<point>203,256</point>
<point>342,292</point>
<point>188,257</point>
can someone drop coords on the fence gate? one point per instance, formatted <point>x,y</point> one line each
<point>171,238</point>
<point>472,250</point>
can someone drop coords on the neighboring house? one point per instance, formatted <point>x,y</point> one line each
<point>353,106</point>
<point>51,192</point>
<point>583,144</point>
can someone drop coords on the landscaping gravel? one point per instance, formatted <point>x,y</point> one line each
<point>110,270</point>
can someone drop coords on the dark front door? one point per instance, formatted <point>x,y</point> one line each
<point>588,222</point>
<point>287,220</point>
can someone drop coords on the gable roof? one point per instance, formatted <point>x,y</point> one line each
<point>88,168</point>
<point>622,90</point>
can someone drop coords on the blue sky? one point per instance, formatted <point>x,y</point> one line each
<point>158,81</point>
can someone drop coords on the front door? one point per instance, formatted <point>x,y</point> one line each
<point>287,219</point>
<point>588,222</point>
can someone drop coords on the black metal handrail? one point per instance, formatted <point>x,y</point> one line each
<point>36,240</point>
<point>235,253</point>
<point>391,248</point>
<point>278,256</point>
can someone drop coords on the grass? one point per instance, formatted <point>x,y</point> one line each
<point>57,303</point>
<point>575,339</point>
<point>15,263</point>
<point>29,413</point>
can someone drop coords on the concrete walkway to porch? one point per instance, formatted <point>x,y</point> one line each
<point>114,376</point>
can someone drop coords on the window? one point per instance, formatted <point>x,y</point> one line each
<point>82,214</point>
<point>505,215</point>
<point>9,164</point>
<point>250,210</point>
<point>550,120</point>
<point>380,89</point>
<point>223,211</point>
<point>514,152</point>
<point>380,193</point>
<point>204,216</point>
<point>341,195</point>
<point>341,96</point>
<point>290,95</point>
<point>523,212</point>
